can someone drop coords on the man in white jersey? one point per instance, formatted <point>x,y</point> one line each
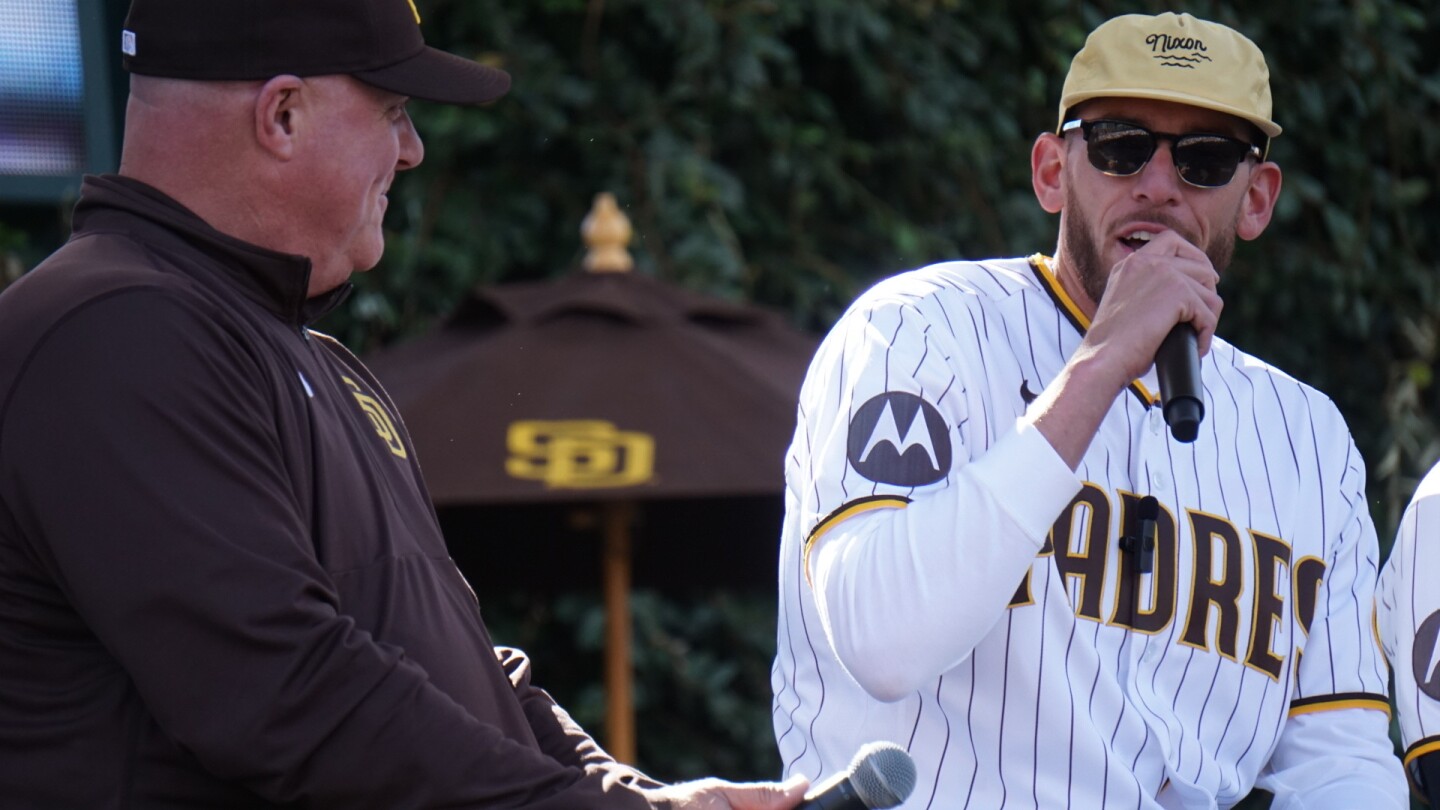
<point>977,445</point>
<point>1409,618</point>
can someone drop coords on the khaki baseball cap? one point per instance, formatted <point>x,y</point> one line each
<point>1172,57</point>
<point>376,41</point>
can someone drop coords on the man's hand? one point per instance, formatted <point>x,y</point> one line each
<point>1165,282</point>
<point>716,794</point>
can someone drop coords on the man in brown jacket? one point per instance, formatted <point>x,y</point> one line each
<point>221,580</point>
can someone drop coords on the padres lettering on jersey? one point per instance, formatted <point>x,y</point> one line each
<point>948,584</point>
<point>1211,599</point>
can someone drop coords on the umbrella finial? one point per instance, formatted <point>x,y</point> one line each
<point>606,231</point>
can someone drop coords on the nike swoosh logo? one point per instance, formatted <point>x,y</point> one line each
<point>1025,392</point>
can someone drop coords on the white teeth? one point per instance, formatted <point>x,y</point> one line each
<point>1140,236</point>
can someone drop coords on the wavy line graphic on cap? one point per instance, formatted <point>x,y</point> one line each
<point>1195,56</point>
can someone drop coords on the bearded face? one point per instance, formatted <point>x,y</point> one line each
<point>1082,244</point>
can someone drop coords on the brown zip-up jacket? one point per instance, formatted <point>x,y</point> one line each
<point>222,583</point>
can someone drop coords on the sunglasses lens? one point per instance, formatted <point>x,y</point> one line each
<point>1118,149</point>
<point>1208,160</point>
<point>1121,149</point>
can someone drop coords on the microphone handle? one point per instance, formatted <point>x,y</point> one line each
<point>1177,364</point>
<point>836,795</point>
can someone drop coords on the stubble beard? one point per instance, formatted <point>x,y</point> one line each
<point>1083,254</point>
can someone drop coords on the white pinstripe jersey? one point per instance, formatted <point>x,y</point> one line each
<point>1409,618</point>
<point>960,569</point>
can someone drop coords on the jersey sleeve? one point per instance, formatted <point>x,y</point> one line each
<point>1408,608</point>
<point>927,499</point>
<point>1334,750</point>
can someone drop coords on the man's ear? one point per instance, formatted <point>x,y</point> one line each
<point>1259,203</point>
<point>278,105</point>
<point>1047,175</point>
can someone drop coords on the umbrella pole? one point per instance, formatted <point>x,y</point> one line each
<point>619,705</point>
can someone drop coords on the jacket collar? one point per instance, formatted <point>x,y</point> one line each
<point>277,281</point>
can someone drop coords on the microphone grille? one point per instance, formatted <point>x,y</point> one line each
<point>882,774</point>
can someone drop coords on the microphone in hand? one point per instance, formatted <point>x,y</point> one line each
<point>880,776</point>
<point>1177,364</point>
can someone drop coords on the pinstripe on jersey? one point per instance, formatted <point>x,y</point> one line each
<point>1091,686</point>
<point>1408,615</point>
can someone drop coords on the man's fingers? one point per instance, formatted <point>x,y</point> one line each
<point>717,794</point>
<point>1193,261</point>
<point>768,795</point>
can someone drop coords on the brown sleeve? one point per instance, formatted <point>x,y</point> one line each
<point>559,735</point>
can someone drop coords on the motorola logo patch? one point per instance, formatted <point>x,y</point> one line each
<point>900,439</point>
<point>1424,655</point>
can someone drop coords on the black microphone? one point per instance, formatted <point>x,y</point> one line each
<point>1177,364</point>
<point>1141,545</point>
<point>1145,549</point>
<point>881,775</point>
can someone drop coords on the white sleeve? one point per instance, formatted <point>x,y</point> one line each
<point>908,577</point>
<point>1336,760</point>
<point>1408,606</point>
<point>905,594</point>
<point>1335,750</point>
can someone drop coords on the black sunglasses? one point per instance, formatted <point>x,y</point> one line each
<point>1120,149</point>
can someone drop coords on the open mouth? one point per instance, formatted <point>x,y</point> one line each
<point>1136,239</point>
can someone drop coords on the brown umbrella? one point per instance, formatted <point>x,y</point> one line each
<point>602,386</point>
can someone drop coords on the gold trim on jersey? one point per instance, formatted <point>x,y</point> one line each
<point>1423,746</point>
<point>1044,269</point>
<point>1344,700</point>
<point>1375,631</point>
<point>849,509</point>
<point>1045,266</point>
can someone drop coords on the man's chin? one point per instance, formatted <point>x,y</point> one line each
<point>370,257</point>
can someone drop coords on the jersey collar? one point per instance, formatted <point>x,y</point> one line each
<point>1044,267</point>
<point>278,281</point>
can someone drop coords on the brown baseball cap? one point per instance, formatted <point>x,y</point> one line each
<point>376,41</point>
<point>1172,57</point>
